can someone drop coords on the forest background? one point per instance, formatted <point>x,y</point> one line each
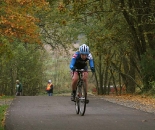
<point>38,38</point>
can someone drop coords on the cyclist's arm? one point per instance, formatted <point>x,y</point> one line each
<point>91,61</point>
<point>72,63</point>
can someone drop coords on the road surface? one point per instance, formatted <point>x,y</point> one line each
<point>58,113</point>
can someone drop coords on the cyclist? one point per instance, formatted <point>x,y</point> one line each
<point>79,61</point>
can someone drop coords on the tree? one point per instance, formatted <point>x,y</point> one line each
<point>18,20</point>
<point>26,65</point>
<point>140,19</point>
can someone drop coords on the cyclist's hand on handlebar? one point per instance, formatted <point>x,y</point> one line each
<point>93,69</point>
<point>73,68</point>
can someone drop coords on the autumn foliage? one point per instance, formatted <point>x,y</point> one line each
<point>18,21</point>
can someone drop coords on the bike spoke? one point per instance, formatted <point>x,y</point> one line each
<point>82,100</point>
<point>77,102</point>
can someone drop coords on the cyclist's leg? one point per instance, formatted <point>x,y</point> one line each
<point>75,78</point>
<point>85,79</point>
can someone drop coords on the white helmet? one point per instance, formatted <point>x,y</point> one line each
<point>49,81</point>
<point>84,49</point>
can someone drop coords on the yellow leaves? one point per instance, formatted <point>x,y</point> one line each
<point>148,101</point>
<point>61,7</point>
<point>18,1</point>
<point>17,19</point>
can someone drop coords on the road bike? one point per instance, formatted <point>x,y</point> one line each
<point>81,94</point>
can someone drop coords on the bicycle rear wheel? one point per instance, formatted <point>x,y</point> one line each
<point>77,101</point>
<point>82,100</point>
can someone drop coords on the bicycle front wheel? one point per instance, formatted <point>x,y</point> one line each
<point>77,101</point>
<point>82,100</point>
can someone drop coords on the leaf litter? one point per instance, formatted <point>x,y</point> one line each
<point>144,103</point>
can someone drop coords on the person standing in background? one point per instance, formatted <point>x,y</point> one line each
<point>18,88</point>
<point>49,88</point>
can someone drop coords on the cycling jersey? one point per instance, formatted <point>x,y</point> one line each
<point>78,63</point>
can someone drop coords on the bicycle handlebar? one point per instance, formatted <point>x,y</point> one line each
<point>82,70</point>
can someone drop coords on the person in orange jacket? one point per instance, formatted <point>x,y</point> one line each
<point>49,88</point>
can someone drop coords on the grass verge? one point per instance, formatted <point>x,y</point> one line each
<point>3,109</point>
<point>7,97</point>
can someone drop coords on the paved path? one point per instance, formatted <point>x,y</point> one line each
<point>58,113</point>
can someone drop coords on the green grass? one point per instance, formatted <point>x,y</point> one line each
<point>7,97</point>
<point>3,109</point>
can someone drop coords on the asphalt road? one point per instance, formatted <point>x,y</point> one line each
<point>58,113</point>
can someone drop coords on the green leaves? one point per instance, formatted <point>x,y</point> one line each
<point>25,64</point>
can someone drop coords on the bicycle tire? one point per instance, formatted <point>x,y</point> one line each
<point>82,100</point>
<point>77,101</point>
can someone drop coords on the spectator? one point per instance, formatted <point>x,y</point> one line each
<point>18,88</point>
<point>49,88</point>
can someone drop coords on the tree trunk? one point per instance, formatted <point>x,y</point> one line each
<point>114,83</point>
<point>131,84</point>
<point>100,75</point>
<point>106,78</point>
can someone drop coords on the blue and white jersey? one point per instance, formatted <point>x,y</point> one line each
<point>78,63</point>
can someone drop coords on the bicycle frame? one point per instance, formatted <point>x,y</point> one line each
<point>80,101</point>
